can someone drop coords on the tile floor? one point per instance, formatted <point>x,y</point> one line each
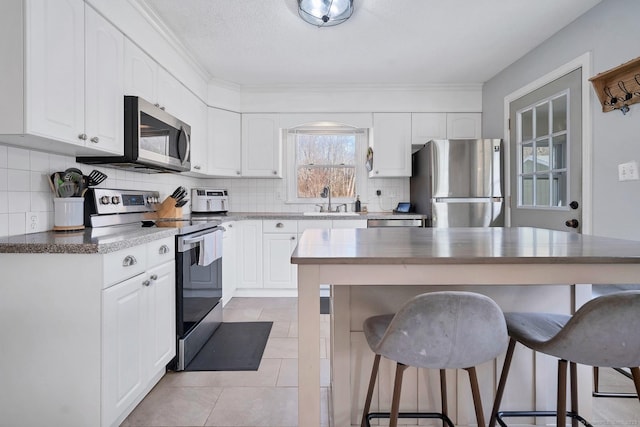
<point>268,397</point>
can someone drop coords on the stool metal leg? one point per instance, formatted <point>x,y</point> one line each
<point>561,418</point>
<point>372,384</point>
<point>635,373</point>
<point>475,392</point>
<point>573,371</point>
<point>397,388</point>
<point>502,382</point>
<point>443,395</point>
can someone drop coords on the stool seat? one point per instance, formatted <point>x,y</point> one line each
<point>439,330</point>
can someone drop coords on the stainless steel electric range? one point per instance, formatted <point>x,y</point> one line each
<point>198,260</point>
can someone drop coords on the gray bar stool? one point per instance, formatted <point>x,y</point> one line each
<point>603,332</point>
<point>438,330</point>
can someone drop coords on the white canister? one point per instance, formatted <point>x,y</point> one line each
<point>68,213</point>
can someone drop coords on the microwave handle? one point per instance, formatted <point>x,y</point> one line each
<point>185,158</point>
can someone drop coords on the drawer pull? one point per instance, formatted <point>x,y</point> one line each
<point>164,249</point>
<point>279,225</point>
<point>146,282</point>
<point>129,260</point>
<point>154,277</point>
<point>293,238</point>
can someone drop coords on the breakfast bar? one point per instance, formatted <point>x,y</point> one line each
<point>373,271</point>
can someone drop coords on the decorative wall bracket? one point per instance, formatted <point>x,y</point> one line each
<point>619,87</point>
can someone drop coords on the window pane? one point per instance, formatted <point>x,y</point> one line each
<point>559,189</point>
<point>526,119</point>
<point>527,158</point>
<point>527,191</point>
<point>542,155</point>
<point>559,159</point>
<point>542,120</point>
<point>341,180</point>
<point>542,190</point>
<point>325,149</point>
<point>560,114</point>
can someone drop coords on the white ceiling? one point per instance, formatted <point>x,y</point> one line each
<point>389,42</point>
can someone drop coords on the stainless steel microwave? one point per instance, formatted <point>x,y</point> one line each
<point>154,140</point>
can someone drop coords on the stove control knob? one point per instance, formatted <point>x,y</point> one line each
<point>115,200</point>
<point>149,200</point>
<point>104,200</point>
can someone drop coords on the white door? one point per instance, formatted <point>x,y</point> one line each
<point>546,155</point>
<point>161,333</point>
<point>279,273</point>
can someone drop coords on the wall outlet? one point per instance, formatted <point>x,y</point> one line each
<point>35,222</point>
<point>628,171</point>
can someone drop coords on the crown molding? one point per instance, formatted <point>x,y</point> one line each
<point>361,87</point>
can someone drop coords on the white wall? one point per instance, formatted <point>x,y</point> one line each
<point>610,31</point>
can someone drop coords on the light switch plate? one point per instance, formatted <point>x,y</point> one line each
<point>628,171</point>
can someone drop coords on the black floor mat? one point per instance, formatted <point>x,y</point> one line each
<point>325,305</point>
<point>234,346</point>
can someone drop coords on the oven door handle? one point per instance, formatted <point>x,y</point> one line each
<point>185,243</point>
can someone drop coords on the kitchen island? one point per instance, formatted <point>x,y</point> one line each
<point>374,271</point>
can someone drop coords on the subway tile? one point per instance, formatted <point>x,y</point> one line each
<point>3,156</point>
<point>16,224</point>
<point>18,158</point>
<point>41,201</point>
<point>4,203</point>
<point>3,178</point>
<point>18,180</point>
<point>38,161</point>
<point>39,181</point>
<point>18,201</point>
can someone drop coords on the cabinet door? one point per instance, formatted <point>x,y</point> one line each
<point>391,145</point>
<point>261,147</point>
<point>464,125</point>
<point>55,69</point>
<point>171,95</point>
<point>279,273</point>
<point>249,254</point>
<point>161,333</point>
<point>428,126</point>
<point>123,330</point>
<point>104,75</point>
<point>229,262</point>
<point>224,142</point>
<point>140,73</point>
<point>197,118</point>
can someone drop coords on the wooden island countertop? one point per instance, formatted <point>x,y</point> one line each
<point>406,257</point>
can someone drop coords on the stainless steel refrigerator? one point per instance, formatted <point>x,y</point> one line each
<point>459,183</point>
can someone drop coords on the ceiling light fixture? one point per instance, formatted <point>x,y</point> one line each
<point>325,13</point>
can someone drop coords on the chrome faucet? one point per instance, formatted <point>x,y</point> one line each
<point>341,205</point>
<point>326,192</point>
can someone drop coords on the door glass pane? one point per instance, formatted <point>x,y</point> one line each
<point>559,114</point>
<point>527,158</point>
<point>542,155</point>
<point>526,120</point>
<point>559,158</point>
<point>542,120</point>
<point>559,189</point>
<point>542,190</point>
<point>527,191</point>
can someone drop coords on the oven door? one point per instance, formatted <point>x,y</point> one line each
<point>198,292</point>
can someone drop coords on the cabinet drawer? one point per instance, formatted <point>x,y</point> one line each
<point>160,251</point>
<point>124,264</point>
<point>313,223</point>
<point>279,226</point>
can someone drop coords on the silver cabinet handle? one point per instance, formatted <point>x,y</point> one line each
<point>279,225</point>
<point>237,172</point>
<point>146,282</point>
<point>129,260</point>
<point>154,277</point>
<point>197,167</point>
<point>82,136</point>
<point>164,249</point>
<point>275,172</point>
<point>293,238</point>
<point>162,108</point>
<point>95,140</point>
<point>157,105</point>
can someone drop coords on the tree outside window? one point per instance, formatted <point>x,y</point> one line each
<point>325,160</point>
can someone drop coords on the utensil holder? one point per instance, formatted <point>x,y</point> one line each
<point>168,210</point>
<point>68,213</point>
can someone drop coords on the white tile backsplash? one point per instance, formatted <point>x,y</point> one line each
<point>25,191</point>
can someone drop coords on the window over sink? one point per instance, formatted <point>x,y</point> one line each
<point>326,155</point>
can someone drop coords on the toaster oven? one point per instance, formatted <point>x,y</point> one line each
<point>209,200</point>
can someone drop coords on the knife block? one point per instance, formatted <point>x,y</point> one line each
<point>168,210</point>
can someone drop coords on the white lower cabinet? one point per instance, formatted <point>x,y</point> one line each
<point>278,242</point>
<point>249,252</point>
<point>229,261</point>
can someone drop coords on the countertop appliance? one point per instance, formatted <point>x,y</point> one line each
<point>154,140</point>
<point>459,183</point>
<point>198,276</point>
<point>209,200</point>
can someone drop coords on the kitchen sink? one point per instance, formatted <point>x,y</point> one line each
<point>331,214</point>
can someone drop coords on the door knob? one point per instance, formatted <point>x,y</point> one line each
<point>574,205</point>
<point>573,223</point>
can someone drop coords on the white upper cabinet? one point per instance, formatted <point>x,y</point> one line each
<point>225,152</point>
<point>104,83</point>
<point>195,115</point>
<point>391,143</point>
<point>54,59</point>
<point>428,126</point>
<point>464,125</point>
<point>261,146</point>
